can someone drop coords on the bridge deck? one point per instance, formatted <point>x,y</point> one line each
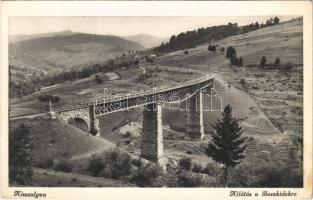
<point>98,100</point>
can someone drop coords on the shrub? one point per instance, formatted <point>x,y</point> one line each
<point>287,66</point>
<point>283,176</point>
<point>240,62</point>
<point>277,61</point>
<point>96,165</point>
<point>190,180</point>
<point>137,162</point>
<point>185,163</point>
<point>230,52</point>
<point>233,59</point>
<point>212,48</point>
<point>117,164</point>
<point>146,176</point>
<point>242,81</point>
<point>98,79</point>
<point>64,166</point>
<point>197,168</point>
<point>212,169</point>
<point>48,97</point>
<point>189,152</point>
<point>288,174</point>
<point>46,163</point>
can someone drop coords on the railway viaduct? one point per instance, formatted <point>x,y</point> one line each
<point>151,101</point>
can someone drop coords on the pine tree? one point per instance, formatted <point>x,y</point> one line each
<point>276,20</point>
<point>227,145</point>
<point>20,156</point>
<point>230,52</point>
<point>263,61</point>
<point>240,62</point>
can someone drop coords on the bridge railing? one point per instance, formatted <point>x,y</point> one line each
<point>85,104</point>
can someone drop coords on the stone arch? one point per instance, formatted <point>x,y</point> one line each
<point>79,123</point>
<point>75,116</point>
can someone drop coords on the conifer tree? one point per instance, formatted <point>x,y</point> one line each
<point>263,62</point>
<point>227,145</point>
<point>240,62</point>
<point>20,156</point>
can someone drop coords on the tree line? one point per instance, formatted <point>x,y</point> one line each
<point>191,39</point>
<point>33,85</point>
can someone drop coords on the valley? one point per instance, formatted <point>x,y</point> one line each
<point>268,102</point>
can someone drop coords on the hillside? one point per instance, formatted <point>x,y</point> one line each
<point>18,38</point>
<point>268,102</point>
<point>59,52</point>
<point>55,140</point>
<point>146,40</point>
<point>277,93</point>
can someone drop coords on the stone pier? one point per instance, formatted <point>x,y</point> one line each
<point>195,128</point>
<point>152,136</point>
<point>94,123</point>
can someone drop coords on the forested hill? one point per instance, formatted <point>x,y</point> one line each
<point>191,39</point>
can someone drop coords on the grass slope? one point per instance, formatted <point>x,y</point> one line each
<point>57,140</point>
<point>60,52</point>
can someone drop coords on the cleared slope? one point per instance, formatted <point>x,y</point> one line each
<point>284,41</point>
<point>57,140</point>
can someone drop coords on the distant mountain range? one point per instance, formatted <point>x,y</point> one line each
<point>19,38</point>
<point>56,52</point>
<point>146,40</point>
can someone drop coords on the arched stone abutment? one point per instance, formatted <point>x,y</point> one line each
<point>86,114</point>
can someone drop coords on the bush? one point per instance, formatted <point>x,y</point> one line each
<point>190,180</point>
<point>117,164</point>
<point>277,61</point>
<point>242,81</point>
<point>146,176</point>
<point>233,59</point>
<point>189,152</point>
<point>212,169</point>
<point>197,168</point>
<point>46,163</point>
<point>96,165</point>
<point>230,52</point>
<point>280,177</point>
<point>48,97</point>
<point>98,79</point>
<point>212,48</point>
<point>137,162</point>
<point>185,163</point>
<point>63,166</point>
<point>240,62</point>
<point>287,175</point>
<point>287,66</point>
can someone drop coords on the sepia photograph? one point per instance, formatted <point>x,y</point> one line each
<point>156,102</point>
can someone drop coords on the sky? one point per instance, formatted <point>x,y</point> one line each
<point>162,27</point>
